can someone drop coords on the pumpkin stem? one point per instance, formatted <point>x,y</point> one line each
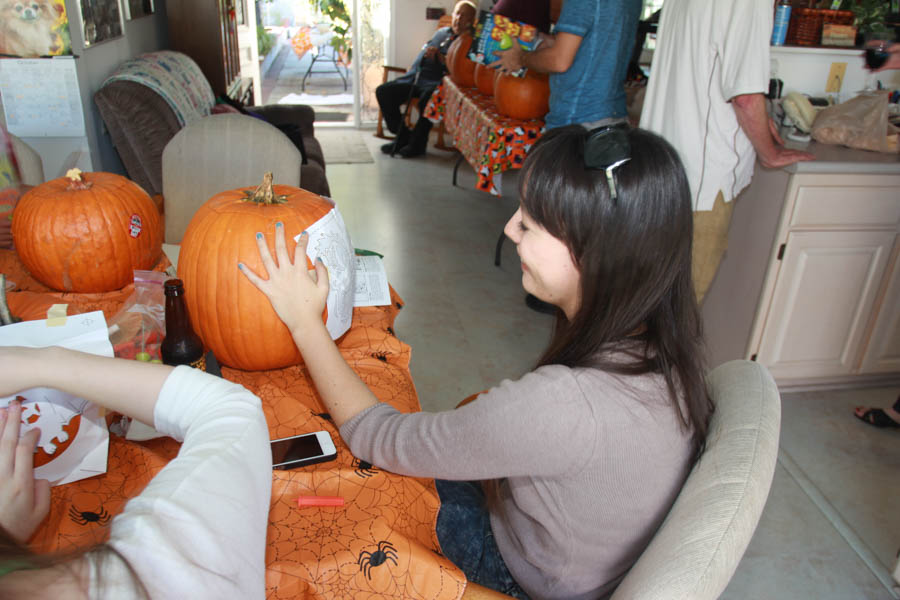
<point>264,193</point>
<point>77,180</point>
<point>6,317</point>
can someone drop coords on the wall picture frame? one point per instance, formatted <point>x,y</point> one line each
<point>101,21</point>
<point>135,9</point>
<point>35,29</point>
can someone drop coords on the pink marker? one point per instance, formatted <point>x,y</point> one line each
<point>304,501</point>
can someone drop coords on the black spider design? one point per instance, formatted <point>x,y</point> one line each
<point>382,356</point>
<point>324,415</point>
<point>364,469</point>
<point>390,330</point>
<point>84,517</point>
<point>383,552</point>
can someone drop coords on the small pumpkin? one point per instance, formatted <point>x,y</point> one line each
<point>87,232</point>
<point>484,79</point>
<point>232,317</point>
<point>462,69</point>
<point>522,98</point>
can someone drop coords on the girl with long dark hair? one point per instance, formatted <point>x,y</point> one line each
<point>553,484</point>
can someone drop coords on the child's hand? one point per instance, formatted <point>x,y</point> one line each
<point>24,500</point>
<point>297,295</point>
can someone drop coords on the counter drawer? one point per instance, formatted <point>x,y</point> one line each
<point>828,206</point>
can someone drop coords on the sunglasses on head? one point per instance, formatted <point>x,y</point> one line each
<point>606,148</point>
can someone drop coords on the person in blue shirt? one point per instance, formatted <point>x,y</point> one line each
<point>420,81</point>
<point>587,57</point>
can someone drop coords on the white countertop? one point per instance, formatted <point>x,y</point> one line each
<point>840,159</point>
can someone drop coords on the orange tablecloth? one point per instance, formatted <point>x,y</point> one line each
<point>312,552</point>
<point>490,142</point>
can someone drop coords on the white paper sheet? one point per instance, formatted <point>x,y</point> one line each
<point>51,410</point>
<point>371,282</point>
<point>329,240</point>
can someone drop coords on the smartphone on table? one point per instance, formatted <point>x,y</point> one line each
<point>302,450</point>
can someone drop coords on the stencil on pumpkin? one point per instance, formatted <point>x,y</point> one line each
<point>329,240</point>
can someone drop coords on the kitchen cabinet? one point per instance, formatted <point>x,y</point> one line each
<point>810,286</point>
<point>882,354</point>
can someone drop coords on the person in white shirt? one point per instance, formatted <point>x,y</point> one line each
<point>705,96</point>
<point>198,530</point>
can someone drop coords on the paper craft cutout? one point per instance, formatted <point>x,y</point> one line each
<point>56,433</point>
<point>74,439</point>
<point>329,240</point>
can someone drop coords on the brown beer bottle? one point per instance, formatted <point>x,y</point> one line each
<point>181,346</point>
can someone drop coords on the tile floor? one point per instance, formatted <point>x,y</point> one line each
<point>831,527</point>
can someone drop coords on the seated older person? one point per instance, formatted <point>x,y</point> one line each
<point>420,81</point>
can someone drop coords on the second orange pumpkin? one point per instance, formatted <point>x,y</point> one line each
<point>523,98</point>
<point>484,79</point>
<point>462,70</point>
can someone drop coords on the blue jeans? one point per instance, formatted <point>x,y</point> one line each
<point>464,531</point>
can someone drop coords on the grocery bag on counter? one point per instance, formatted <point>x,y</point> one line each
<point>861,122</point>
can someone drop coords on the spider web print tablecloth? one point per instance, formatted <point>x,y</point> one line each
<point>380,544</point>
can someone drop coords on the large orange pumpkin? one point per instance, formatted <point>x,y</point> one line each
<point>484,79</point>
<point>87,232</point>
<point>233,318</point>
<point>462,70</point>
<point>523,98</point>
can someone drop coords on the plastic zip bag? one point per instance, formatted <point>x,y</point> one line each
<point>861,122</point>
<point>138,329</point>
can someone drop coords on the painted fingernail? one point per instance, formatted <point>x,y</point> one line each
<point>319,259</point>
<point>241,266</point>
<point>279,224</point>
<point>258,235</point>
<point>304,233</point>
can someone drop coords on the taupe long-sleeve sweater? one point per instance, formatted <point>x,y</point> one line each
<point>592,463</point>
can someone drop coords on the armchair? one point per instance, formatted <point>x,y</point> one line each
<point>31,168</point>
<point>151,97</point>
<point>698,547</point>
<point>440,144</point>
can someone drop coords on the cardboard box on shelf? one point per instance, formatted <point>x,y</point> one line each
<point>838,35</point>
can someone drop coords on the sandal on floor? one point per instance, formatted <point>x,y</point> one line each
<point>877,418</point>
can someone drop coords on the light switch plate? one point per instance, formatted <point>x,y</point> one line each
<point>835,77</point>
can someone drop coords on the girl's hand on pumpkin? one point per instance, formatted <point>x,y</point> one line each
<point>297,295</point>
<point>24,500</point>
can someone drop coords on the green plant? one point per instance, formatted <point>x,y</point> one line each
<point>340,21</point>
<point>264,40</point>
<point>870,15</point>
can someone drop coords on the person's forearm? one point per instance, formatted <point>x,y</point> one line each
<point>126,386</point>
<point>341,389</point>
<point>554,56</point>
<point>545,60</point>
<point>754,120</point>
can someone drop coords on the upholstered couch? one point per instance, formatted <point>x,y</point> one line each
<point>151,97</point>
